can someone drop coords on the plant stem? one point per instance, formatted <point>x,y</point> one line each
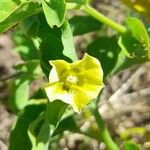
<point>105,135</point>
<point>100,17</point>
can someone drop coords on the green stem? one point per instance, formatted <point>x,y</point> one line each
<point>104,133</point>
<point>100,17</point>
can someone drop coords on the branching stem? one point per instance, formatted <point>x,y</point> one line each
<point>100,17</point>
<point>104,133</point>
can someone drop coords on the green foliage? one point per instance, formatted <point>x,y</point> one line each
<point>29,27</point>
<point>54,11</point>
<point>131,146</point>
<point>26,73</point>
<point>81,2</point>
<point>13,16</point>
<point>76,4</point>
<point>124,62</point>
<point>84,24</point>
<point>55,43</point>
<point>136,42</point>
<point>41,129</point>
<point>126,134</point>
<point>25,46</point>
<point>67,123</point>
<point>39,133</point>
<point>6,7</point>
<point>106,50</point>
<point>29,70</point>
<point>135,46</point>
<point>67,41</point>
<point>19,94</point>
<point>55,111</point>
<point>19,138</point>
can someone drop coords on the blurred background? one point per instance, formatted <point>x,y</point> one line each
<point>125,101</point>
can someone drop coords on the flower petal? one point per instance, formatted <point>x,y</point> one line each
<point>59,66</point>
<point>87,63</point>
<point>80,99</point>
<point>55,91</point>
<point>90,62</point>
<point>92,76</point>
<point>83,95</point>
<point>78,93</point>
<point>53,76</point>
<point>92,90</point>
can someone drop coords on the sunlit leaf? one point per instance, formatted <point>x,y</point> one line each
<point>131,146</point>
<point>25,46</point>
<point>55,111</point>
<point>67,41</point>
<point>39,133</point>
<point>19,89</point>
<point>29,70</point>
<point>54,11</point>
<point>19,94</point>
<point>19,139</point>
<point>16,12</point>
<point>136,42</point>
<point>41,129</point>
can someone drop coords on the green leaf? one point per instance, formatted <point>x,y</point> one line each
<point>136,43</point>
<point>39,133</point>
<point>19,139</point>
<point>106,50</point>
<point>40,94</point>
<point>54,11</point>
<point>30,26</point>
<point>124,62</point>
<point>76,1</point>
<point>29,70</point>
<point>75,4</point>
<point>43,127</point>
<point>84,24</point>
<point>7,7</point>
<point>25,46</point>
<point>135,46</point>
<point>67,41</point>
<point>43,136</point>
<point>66,124</point>
<point>112,59</point>
<point>55,111</point>
<point>138,30</point>
<point>55,44</point>
<point>16,12</point>
<point>19,94</point>
<point>131,146</point>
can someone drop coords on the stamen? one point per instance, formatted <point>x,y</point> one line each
<point>72,79</point>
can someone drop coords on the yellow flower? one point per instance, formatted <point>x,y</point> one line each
<point>75,83</point>
<point>141,6</point>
